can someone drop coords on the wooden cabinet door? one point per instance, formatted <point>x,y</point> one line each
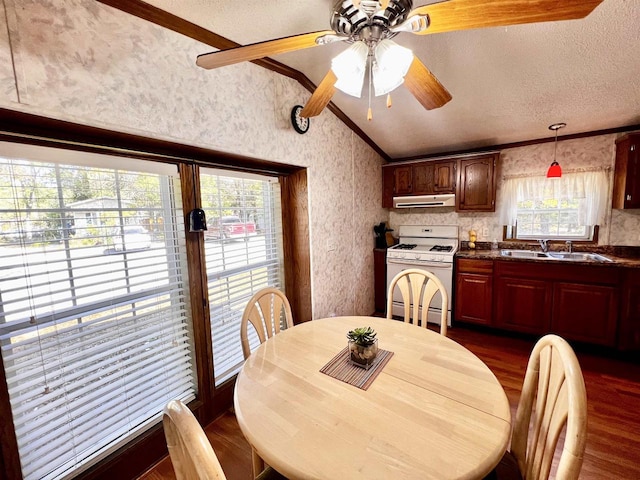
<point>444,177</point>
<point>422,179</point>
<point>476,189</point>
<point>632,197</point>
<point>403,180</point>
<point>629,331</point>
<point>626,184</point>
<point>523,304</point>
<point>474,296</point>
<point>388,186</point>
<point>380,279</point>
<point>586,313</point>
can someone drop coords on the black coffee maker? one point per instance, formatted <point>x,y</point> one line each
<point>381,234</point>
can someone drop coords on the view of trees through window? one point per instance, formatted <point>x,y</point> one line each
<point>93,312</point>
<point>550,218</point>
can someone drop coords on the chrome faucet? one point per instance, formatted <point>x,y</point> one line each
<point>569,245</point>
<point>544,245</point>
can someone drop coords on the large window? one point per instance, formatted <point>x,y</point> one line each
<point>566,208</point>
<point>94,323</point>
<point>243,246</point>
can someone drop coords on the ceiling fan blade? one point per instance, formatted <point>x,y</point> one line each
<point>465,14</point>
<point>260,50</point>
<point>321,96</point>
<point>425,86</point>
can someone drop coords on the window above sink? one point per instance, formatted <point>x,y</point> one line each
<point>556,209</point>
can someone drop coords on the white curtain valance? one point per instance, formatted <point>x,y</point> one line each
<point>589,188</point>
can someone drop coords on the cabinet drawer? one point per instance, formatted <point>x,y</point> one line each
<point>472,265</point>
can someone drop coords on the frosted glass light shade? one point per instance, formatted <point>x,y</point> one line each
<point>391,65</point>
<point>349,68</point>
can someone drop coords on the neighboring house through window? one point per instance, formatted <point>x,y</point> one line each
<point>95,339</point>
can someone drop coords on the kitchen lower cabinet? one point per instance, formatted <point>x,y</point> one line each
<point>587,313</point>
<point>380,279</point>
<point>523,305</point>
<point>577,302</point>
<point>474,291</point>
<point>599,305</point>
<point>629,331</point>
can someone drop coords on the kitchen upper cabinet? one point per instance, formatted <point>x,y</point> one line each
<point>626,185</point>
<point>403,177</point>
<point>418,178</point>
<point>474,291</point>
<point>476,186</point>
<point>444,177</point>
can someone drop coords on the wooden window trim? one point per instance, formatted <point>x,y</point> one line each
<point>136,457</point>
<point>593,241</point>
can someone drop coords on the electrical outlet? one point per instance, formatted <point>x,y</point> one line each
<point>485,233</point>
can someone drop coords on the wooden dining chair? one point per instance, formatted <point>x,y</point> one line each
<point>418,287</point>
<point>191,453</point>
<point>553,397</point>
<point>264,311</point>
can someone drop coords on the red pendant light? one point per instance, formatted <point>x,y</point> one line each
<point>555,171</point>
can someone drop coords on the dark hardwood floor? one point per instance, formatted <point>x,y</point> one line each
<point>613,397</point>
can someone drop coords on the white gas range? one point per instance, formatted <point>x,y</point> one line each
<point>430,248</point>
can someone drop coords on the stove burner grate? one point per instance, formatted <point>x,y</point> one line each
<point>406,246</point>
<point>441,248</point>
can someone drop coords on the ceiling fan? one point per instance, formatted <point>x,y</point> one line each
<point>369,25</point>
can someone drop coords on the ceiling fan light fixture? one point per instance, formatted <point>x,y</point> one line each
<point>349,68</point>
<point>555,170</point>
<point>391,65</point>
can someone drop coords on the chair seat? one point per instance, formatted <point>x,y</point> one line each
<point>507,469</point>
<point>270,474</point>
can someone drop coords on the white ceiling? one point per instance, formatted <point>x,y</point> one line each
<point>508,83</point>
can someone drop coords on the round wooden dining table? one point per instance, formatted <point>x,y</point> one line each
<point>434,411</point>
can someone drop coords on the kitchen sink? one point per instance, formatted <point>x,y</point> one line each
<point>523,254</point>
<point>578,256</point>
<point>567,256</point>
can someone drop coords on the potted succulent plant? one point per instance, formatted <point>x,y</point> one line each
<point>363,346</point>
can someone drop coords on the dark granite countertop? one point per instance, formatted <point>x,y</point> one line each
<point>619,256</point>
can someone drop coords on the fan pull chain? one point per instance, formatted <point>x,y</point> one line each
<point>369,112</point>
<point>388,100</point>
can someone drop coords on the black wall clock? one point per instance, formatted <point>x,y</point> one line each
<point>300,124</point>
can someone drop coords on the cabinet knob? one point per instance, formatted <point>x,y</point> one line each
<point>628,198</point>
<point>633,147</point>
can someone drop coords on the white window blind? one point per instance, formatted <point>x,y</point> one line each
<point>94,324</point>
<point>242,261</point>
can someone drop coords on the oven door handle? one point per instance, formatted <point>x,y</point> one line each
<point>416,264</point>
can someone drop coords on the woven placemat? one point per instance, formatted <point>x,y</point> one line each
<point>341,368</point>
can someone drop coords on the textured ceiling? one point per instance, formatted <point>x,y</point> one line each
<point>508,83</point>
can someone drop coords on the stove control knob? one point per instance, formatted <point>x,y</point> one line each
<point>417,255</point>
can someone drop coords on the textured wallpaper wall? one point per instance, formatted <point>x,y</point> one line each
<point>622,227</point>
<point>83,61</point>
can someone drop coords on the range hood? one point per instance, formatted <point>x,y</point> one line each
<point>421,201</point>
